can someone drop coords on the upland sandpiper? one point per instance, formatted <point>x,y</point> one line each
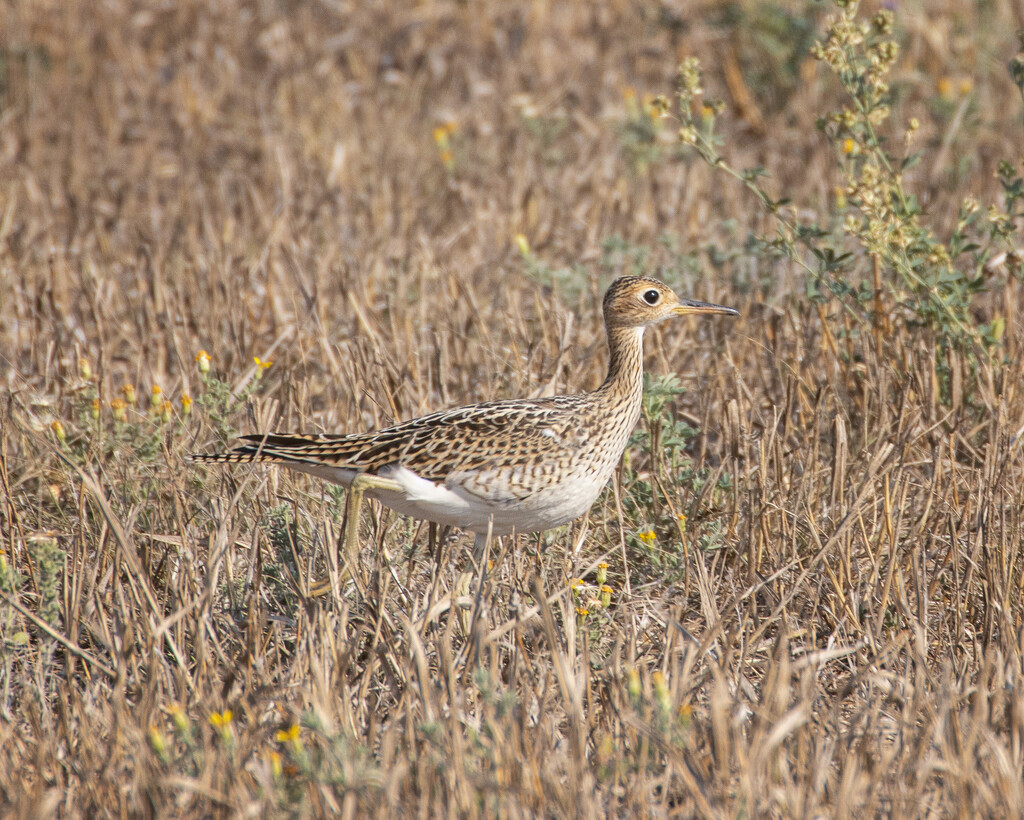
<point>519,465</point>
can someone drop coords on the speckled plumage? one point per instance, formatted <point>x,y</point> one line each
<point>521,465</point>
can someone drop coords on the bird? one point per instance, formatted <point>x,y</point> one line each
<point>513,465</point>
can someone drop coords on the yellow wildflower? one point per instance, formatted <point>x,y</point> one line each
<point>290,736</point>
<point>203,361</point>
<point>442,138</point>
<point>221,721</point>
<point>157,742</point>
<point>661,691</point>
<point>655,106</point>
<point>633,683</point>
<point>179,718</point>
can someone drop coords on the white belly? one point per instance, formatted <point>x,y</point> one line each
<point>454,505</point>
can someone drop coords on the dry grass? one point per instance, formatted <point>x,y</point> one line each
<point>836,630</point>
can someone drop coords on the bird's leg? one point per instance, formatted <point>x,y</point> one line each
<point>360,484</point>
<point>353,503</point>
<point>464,584</point>
<point>480,542</point>
<point>481,554</point>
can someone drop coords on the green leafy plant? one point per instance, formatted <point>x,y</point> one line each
<point>891,267</point>
<point>660,500</point>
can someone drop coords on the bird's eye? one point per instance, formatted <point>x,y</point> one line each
<point>651,297</point>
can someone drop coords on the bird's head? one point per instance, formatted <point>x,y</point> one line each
<point>637,301</point>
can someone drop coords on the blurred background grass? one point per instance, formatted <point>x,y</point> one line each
<point>814,547</point>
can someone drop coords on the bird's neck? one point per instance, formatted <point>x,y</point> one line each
<point>625,381</point>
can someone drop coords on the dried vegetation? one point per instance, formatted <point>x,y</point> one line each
<point>815,553</point>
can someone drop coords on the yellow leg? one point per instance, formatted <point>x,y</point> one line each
<point>353,504</point>
<point>464,583</point>
<point>360,484</point>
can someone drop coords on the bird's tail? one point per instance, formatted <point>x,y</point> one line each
<point>272,447</point>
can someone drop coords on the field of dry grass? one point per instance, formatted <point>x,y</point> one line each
<point>814,548</point>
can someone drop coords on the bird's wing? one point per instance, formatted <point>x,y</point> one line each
<point>478,437</point>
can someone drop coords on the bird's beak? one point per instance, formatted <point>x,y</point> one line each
<point>688,307</point>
